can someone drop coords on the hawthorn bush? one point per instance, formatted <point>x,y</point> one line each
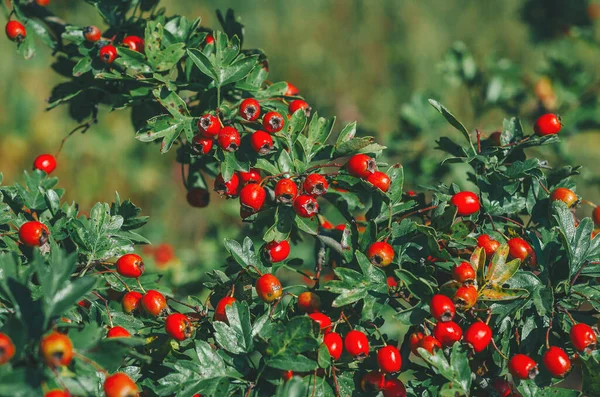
<point>499,286</point>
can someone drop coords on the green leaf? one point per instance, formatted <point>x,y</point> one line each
<point>288,343</point>
<point>497,293</point>
<point>172,102</point>
<point>452,120</point>
<point>203,63</point>
<point>499,270</point>
<point>347,133</point>
<point>237,70</point>
<point>235,337</point>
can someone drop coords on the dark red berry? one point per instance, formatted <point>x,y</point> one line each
<point>583,337</point>
<point>286,191</point>
<point>220,313</point>
<point>7,348</point>
<point>430,343</point>
<point>108,54</point>
<point>464,273</point>
<point>209,125</point>
<point>315,185</point>
<point>118,332</point>
<point>356,343</point>
<point>299,104</point>
<point>268,288</point>
<point>250,109</point>
<point>198,197</point>
<point>380,253</point>
<point>261,142</point>
<point>479,336</point>
<point>134,43</point>
<point>15,31</point>
<point>130,265</point>
<point>277,251</point>
<point>45,162</point>
<point>520,249</point>
<point>556,361</point>
<point>229,139</point>
<point>201,144</point>
<point>334,344</point>
<point>415,342</point>
<point>488,244</point>
<point>273,122</point>
<point>442,308</point>
<point>33,233</point>
<point>252,197</point>
<point>502,387</point>
<point>252,176</point>
<point>154,303</point>
<point>361,166</point>
<point>596,215</point>
<point>306,206</point>
<point>467,203</point>
<point>131,301</point>
<point>394,388</point>
<point>309,302</point>
<point>380,180</point>
<point>229,188</point>
<point>178,326</point>
<point>120,385</point>
<point>547,124</point>
<point>389,359</point>
<point>92,33</point>
<point>521,366</point>
<point>448,333</point>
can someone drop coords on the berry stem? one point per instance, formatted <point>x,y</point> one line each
<point>416,212</point>
<point>548,331</point>
<point>335,381</point>
<point>498,350</point>
<point>194,308</point>
<point>106,305</point>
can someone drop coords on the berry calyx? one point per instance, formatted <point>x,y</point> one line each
<point>154,303</point>
<point>430,343</point>
<point>465,297</point>
<point>556,361</point>
<point>309,302</point>
<point>380,253</point>
<point>442,308</point>
<point>220,312</point>
<point>467,203</point>
<point>108,54</point>
<point>479,336</point>
<point>291,90</point>
<point>252,176</point>
<point>250,109</point>
<point>202,144</point>
<point>448,333</point>
<point>583,337</point>
<point>521,366</point>
<point>464,273</point>
<point>380,180</point>
<point>229,139</point>
<point>7,348</point>
<point>15,31</point>
<point>261,142</point>
<point>415,341</point>
<point>252,197</point>
<point>229,188</point>
<point>92,33</point>
<point>56,349</point>
<point>361,166</point>
<point>118,332</point>
<point>268,288</point>
<point>299,104</point>
<point>306,206</point>
<point>198,197</point>
<point>45,162</point>
<point>520,249</point>
<point>134,43</point>
<point>273,122</point>
<point>33,233</point>
<point>547,124</point>
<point>209,125</point>
<point>356,343</point>
<point>389,359</point>
<point>131,301</point>
<point>315,185</point>
<point>394,388</point>
<point>565,195</point>
<point>120,385</point>
<point>334,344</point>
<point>322,320</point>
<point>286,191</point>
<point>178,326</point>
<point>130,265</point>
<point>488,244</point>
<point>57,393</point>
<point>277,251</point>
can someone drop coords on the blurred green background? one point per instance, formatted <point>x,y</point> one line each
<point>358,60</point>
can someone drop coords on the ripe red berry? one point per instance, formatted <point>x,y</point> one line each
<point>380,180</point>
<point>391,281</point>
<point>201,144</point>
<point>430,343</point>
<point>286,375</point>
<point>448,333</point>
<point>442,308</point>
<point>268,288</point>
<point>250,109</point>
<point>131,301</point>
<point>464,273</point>
<point>291,90</point>
<point>134,43</point>
<point>42,3</point>
<point>120,385</point>
<point>252,197</point>
<point>154,303</point>
<point>394,388</point>
<point>596,216</point>
<point>7,348</point>
<point>261,142</point>
<point>92,33</point>
<point>45,162</point>
<point>286,191</point>
<point>198,197</point>
<point>488,244</point>
<point>299,104</point>
<point>57,393</point>
<point>229,139</point>
<point>467,203</point>
<point>209,125</point>
<point>315,185</point>
<point>334,344</point>
<point>108,54</point>
<point>389,359</point>
<point>277,251</point>
<point>178,326</point>
<point>220,312</point>
<point>229,188</point>
<point>520,249</point>
<point>547,124</point>
<point>465,297</point>
<point>273,122</point>
<point>356,343</point>
<point>15,31</point>
<point>130,265</point>
<point>306,206</point>
<point>565,195</point>
<point>252,176</point>
<point>479,336</point>
<point>323,321</point>
<point>56,349</point>
<point>372,381</point>
<point>209,39</point>
<point>583,337</point>
<point>556,361</point>
<point>309,302</point>
<point>380,253</point>
<point>521,366</point>
<point>415,342</point>
<point>33,233</point>
<point>502,387</point>
<point>361,166</point>
<point>118,332</point>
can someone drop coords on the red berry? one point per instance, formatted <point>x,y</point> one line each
<point>372,381</point>
<point>57,393</point>
<point>394,388</point>
<point>33,234</point>
<point>415,342</point>
<point>309,302</point>
<point>229,188</point>
<point>261,142</point>
<point>465,297</point>
<point>268,288</point>
<point>42,3</point>
<point>15,31</point>
<point>108,54</point>
<point>380,180</point>
<point>521,366</point>
<point>198,197</point>
<point>45,162</point>
<point>134,43</point>
<point>565,195</point>
<point>442,308</point>
<point>250,109</point>
<point>299,104</point>
<point>520,249</point>
<point>467,203</point>
<point>277,251</point>
<point>7,348</point>
<point>252,197</point>
<point>315,185</point>
<point>202,145</point>
<point>391,282</point>
<point>209,39</point>
<point>430,343</point>
<point>479,336</point>
<point>178,326</point>
<point>120,385</point>
<point>323,321</point>
<point>334,344</point>
<point>57,349</point>
<point>229,139</point>
<point>380,253</point>
<point>220,312</point>
<point>556,361</point>
<point>494,138</point>
<point>92,33</point>
<point>287,375</point>
<point>131,301</point>
<point>361,166</point>
<point>291,90</point>
<point>356,343</point>
<point>547,124</point>
<point>464,273</point>
<point>154,303</point>
<point>489,246</point>
<point>252,176</point>
<point>286,191</point>
<point>502,387</point>
<point>273,122</point>
<point>389,359</point>
<point>596,216</point>
<point>209,125</point>
<point>118,332</point>
<point>583,337</point>
<point>130,265</point>
<point>306,206</point>
<point>448,333</point>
